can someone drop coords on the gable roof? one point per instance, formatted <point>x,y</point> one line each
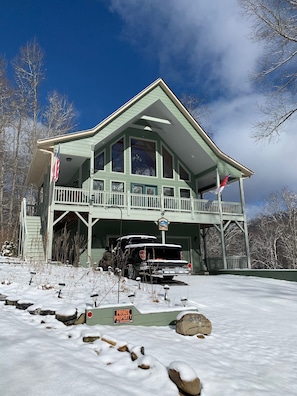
<point>157,109</point>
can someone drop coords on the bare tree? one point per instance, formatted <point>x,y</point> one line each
<point>5,123</point>
<point>28,68</point>
<point>265,234</point>
<point>58,116</point>
<point>198,109</point>
<point>23,121</point>
<point>273,234</point>
<point>28,74</point>
<point>275,25</point>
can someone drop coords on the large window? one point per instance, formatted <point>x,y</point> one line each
<point>117,156</point>
<point>183,174</point>
<point>143,157</point>
<point>99,162</point>
<point>167,164</point>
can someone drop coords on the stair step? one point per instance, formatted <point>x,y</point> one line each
<point>34,244</point>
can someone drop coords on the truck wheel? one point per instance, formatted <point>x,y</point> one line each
<point>132,273</point>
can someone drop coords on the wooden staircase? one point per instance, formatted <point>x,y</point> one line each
<point>34,248</point>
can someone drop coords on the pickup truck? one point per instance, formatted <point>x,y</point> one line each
<point>142,255</point>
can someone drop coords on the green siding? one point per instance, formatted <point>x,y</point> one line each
<point>107,316</point>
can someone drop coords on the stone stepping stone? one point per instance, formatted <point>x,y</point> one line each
<point>23,304</point>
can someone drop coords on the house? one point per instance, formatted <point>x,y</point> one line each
<point>144,169</point>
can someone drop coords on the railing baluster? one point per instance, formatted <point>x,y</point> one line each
<point>160,203</point>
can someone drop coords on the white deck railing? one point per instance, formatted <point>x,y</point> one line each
<point>233,262</point>
<point>78,196</point>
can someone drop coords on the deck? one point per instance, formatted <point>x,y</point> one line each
<point>133,205</point>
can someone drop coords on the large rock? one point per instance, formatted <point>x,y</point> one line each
<point>184,378</point>
<point>67,314</point>
<point>191,323</point>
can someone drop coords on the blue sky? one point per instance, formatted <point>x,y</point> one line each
<point>101,53</point>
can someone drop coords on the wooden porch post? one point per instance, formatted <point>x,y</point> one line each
<point>246,238</point>
<point>90,232</point>
<point>50,221</point>
<point>221,223</point>
<point>50,213</point>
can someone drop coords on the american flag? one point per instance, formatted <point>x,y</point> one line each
<point>56,167</point>
<point>222,185</point>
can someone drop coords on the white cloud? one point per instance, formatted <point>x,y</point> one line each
<point>205,45</point>
<point>274,164</point>
<point>209,38</point>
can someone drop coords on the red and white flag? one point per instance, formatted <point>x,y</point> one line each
<point>222,185</point>
<point>56,167</point>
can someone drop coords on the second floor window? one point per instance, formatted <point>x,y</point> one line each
<point>143,157</point>
<point>183,174</point>
<point>167,164</point>
<point>99,162</point>
<point>117,156</point>
<point>98,185</point>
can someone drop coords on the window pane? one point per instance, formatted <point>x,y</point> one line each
<point>167,164</point>
<point>99,162</point>
<point>117,186</point>
<point>98,185</point>
<point>184,193</point>
<point>168,191</point>
<point>137,189</point>
<point>118,156</point>
<point>183,174</point>
<point>143,157</point>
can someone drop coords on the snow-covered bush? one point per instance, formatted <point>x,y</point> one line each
<point>8,249</point>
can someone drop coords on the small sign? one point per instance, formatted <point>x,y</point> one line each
<point>163,224</point>
<point>124,315</point>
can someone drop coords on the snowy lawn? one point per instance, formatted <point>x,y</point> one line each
<point>251,350</point>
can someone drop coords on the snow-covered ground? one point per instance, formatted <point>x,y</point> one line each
<point>251,350</point>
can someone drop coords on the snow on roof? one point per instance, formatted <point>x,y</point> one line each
<point>154,245</point>
<point>136,236</point>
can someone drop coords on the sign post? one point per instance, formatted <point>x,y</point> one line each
<point>163,227</point>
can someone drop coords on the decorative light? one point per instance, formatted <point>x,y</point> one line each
<point>95,297</point>
<point>138,279</point>
<point>166,289</point>
<point>32,276</point>
<point>60,291</point>
<point>131,297</point>
<point>184,301</point>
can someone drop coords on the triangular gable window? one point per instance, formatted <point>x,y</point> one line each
<point>183,174</point>
<point>117,154</point>
<point>99,162</point>
<point>167,164</point>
